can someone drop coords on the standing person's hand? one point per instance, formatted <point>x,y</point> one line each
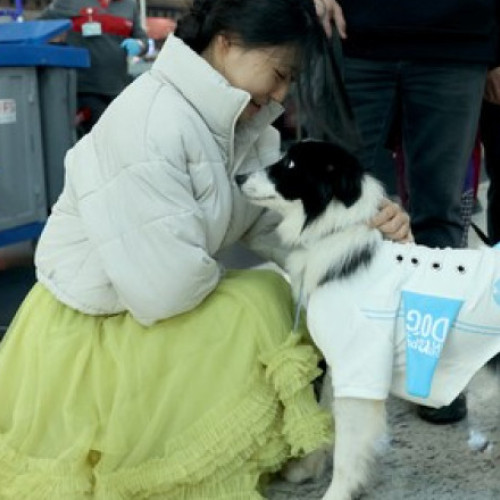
<point>328,11</point>
<point>132,46</point>
<point>492,89</point>
<point>393,222</point>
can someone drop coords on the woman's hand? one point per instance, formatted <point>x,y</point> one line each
<point>393,222</point>
<point>328,11</point>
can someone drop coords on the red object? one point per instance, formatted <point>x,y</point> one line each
<point>112,25</point>
<point>476,162</point>
<point>82,115</point>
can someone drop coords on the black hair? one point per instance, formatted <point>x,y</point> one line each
<point>266,23</point>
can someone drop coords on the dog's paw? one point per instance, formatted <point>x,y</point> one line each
<point>311,466</point>
<point>333,493</point>
<point>328,495</point>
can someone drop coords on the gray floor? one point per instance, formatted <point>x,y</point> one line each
<point>429,462</point>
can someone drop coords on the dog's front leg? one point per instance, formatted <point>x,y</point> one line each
<point>359,423</point>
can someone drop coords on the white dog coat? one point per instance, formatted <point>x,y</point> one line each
<point>386,327</point>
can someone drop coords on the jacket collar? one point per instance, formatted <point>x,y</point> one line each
<point>209,92</point>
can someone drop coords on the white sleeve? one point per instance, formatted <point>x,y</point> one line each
<point>263,239</point>
<point>150,234</point>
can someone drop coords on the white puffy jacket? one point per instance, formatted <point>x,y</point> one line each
<point>149,198</point>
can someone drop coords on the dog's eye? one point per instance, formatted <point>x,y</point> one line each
<point>291,164</point>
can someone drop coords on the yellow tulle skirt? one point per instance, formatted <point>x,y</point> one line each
<point>200,406</point>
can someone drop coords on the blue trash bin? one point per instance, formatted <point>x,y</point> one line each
<point>37,122</point>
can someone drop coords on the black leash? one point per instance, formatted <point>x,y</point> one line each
<point>481,235</point>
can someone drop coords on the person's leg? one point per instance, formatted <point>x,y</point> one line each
<point>372,89</point>
<point>440,113</point>
<point>490,136</point>
<point>441,104</point>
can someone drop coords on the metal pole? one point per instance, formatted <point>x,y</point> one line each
<point>142,10</point>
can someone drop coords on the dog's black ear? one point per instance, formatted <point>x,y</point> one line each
<point>350,189</point>
<point>348,183</point>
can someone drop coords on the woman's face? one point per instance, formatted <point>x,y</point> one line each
<point>265,73</point>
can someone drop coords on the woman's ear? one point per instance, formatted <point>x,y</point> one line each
<point>216,52</point>
<point>222,43</point>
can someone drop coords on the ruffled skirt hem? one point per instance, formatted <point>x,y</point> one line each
<point>225,453</point>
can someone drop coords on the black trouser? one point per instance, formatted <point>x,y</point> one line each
<point>490,137</point>
<point>437,106</point>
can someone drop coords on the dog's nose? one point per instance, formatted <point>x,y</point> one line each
<point>240,179</point>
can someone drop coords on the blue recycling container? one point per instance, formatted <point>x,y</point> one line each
<point>26,44</point>
<point>37,113</point>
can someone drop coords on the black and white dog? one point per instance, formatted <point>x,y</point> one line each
<point>388,317</point>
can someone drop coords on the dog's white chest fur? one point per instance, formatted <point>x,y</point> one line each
<point>359,324</point>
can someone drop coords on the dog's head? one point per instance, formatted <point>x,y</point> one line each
<point>308,182</point>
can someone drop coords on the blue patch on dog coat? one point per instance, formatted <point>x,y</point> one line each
<point>428,320</point>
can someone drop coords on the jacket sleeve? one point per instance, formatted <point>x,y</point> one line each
<point>150,234</point>
<point>263,239</point>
